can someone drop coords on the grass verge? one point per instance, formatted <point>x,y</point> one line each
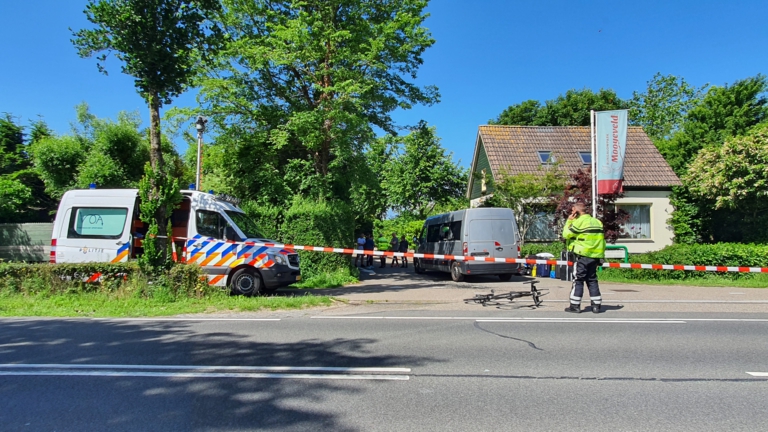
<point>757,281</point>
<point>334,279</point>
<point>101,304</point>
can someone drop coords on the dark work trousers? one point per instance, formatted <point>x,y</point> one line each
<point>586,271</point>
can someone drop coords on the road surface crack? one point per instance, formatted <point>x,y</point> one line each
<point>530,344</point>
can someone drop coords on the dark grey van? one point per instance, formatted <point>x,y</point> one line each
<point>481,232</point>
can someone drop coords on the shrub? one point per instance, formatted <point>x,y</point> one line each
<point>48,279</point>
<point>268,217</point>
<point>320,223</point>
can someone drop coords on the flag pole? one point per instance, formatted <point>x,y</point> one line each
<point>594,162</point>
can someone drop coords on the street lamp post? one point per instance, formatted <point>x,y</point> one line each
<point>200,126</point>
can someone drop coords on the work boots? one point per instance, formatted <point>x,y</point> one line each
<point>573,308</point>
<point>595,308</point>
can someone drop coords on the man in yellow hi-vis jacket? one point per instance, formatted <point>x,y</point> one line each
<point>585,238</point>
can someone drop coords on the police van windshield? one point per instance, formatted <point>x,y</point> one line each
<point>246,225</point>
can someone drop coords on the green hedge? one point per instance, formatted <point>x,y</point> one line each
<point>268,218</point>
<point>534,248</point>
<point>33,279</point>
<point>320,223</point>
<point>720,254</point>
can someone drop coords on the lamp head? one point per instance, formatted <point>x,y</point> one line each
<point>200,123</point>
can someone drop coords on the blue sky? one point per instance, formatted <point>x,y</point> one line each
<point>489,54</point>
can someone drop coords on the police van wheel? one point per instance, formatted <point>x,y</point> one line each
<point>456,275</point>
<point>505,277</point>
<point>245,282</point>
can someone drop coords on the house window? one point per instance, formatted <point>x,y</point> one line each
<point>540,227</point>
<point>639,225</point>
<point>586,158</point>
<point>546,157</point>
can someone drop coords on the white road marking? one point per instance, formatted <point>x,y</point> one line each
<point>135,319</point>
<point>759,374</point>
<point>186,319</point>
<point>577,320</point>
<point>203,375</point>
<point>207,368</point>
<point>486,318</point>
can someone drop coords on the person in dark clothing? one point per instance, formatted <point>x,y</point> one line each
<point>394,245</point>
<point>368,246</point>
<point>404,248</point>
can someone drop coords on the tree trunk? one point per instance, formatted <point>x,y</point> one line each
<point>158,166</point>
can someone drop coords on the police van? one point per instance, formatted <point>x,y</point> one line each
<point>480,232</point>
<point>103,225</point>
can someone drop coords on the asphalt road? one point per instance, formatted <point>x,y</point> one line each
<point>431,371</point>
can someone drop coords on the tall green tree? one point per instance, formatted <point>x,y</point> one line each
<point>161,43</point>
<point>22,192</point>
<point>724,112</point>
<point>302,84</point>
<point>420,174</point>
<point>735,177</point>
<point>15,196</point>
<point>663,106</point>
<point>569,109</point>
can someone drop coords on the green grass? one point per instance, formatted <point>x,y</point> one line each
<point>756,281</point>
<point>334,279</point>
<point>100,304</point>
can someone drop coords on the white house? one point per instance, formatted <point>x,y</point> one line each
<point>648,179</point>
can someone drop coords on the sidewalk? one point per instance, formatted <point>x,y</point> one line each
<point>436,290</point>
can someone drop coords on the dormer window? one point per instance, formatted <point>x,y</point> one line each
<point>546,157</point>
<point>586,158</point>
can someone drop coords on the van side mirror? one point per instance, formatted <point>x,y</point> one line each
<point>230,234</point>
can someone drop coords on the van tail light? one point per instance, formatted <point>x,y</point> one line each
<point>52,259</point>
<point>465,249</point>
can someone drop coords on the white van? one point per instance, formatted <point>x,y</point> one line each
<point>103,225</point>
<point>481,232</point>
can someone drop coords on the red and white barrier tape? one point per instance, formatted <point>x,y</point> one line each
<point>687,267</point>
<point>513,260</point>
<point>350,251</point>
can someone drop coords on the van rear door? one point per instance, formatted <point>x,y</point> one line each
<point>505,238</point>
<point>492,238</point>
<point>96,232</point>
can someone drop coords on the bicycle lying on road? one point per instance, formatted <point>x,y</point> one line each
<point>494,299</point>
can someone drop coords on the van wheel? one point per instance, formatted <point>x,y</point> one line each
<point>417,266</point>
<point>456,272</point>
<point>505,277</point>
<point>245,282</point>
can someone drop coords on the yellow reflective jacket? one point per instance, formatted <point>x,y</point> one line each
<point>584,236</point>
